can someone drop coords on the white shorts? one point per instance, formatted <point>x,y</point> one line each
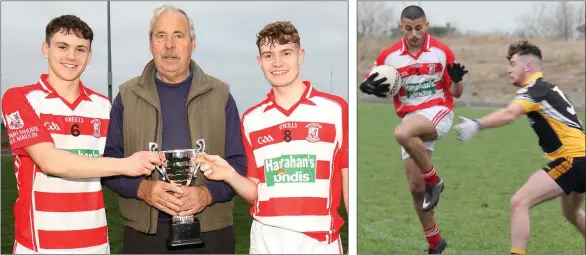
<point>265,239</point>
<point>441,117</point>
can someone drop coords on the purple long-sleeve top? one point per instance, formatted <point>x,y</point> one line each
<point>173,98</point>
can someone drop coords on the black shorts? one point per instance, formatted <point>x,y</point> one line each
<point>569,173</point>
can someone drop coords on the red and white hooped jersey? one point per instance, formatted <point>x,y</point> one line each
<point>297,155</point>
<point>53,214</point>
<point>425,76</point>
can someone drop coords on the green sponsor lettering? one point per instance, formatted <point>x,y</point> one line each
<point>423,89</point>
<point>85,152</point>
<point>290,169</point>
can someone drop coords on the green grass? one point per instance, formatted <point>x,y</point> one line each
<point>481,177</point>
<point>242,220</point>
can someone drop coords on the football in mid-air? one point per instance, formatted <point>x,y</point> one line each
<point>392,75</point>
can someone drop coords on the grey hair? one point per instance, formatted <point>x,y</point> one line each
<point>169,8</point>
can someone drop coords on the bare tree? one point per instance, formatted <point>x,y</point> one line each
<point>580,18</point>
<point>375,18</point>
<point>560,21</point>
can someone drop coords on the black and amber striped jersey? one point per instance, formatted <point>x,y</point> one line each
<point>553,118</point>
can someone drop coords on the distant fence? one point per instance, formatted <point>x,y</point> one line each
<point>470,97</point>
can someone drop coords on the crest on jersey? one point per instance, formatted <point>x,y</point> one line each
<point>431,68</point>
<point>14,121</point>
<point>96,123</point>
<point>312,132</point>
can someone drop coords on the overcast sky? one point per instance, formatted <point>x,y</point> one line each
<point>226,37</point>
<point>476,16</point>
<point>479,16</point>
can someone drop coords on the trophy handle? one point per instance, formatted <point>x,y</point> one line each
<point>200,145</point>
<point>154,148</point>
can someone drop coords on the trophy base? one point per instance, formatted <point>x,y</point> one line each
<point>183,234</point>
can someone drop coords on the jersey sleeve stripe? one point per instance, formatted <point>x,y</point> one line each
<point>554,114</point>
<point>527,106</point>
<point>384,54</point>
<point>251,169</point>
<point>29,209</point>
<point>23,126</point>
<point>525,97</point>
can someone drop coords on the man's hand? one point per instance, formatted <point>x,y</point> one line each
<point>194,199</point>
<point>215,167</point>
<point>377,88</point>
<point>140,163</point>
<point>160,195</point>
<point>456,72</point>
<point>466,129</point>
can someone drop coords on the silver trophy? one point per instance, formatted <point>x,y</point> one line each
<point>180,169</point>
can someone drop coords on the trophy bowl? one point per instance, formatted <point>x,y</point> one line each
<point>178,167</point>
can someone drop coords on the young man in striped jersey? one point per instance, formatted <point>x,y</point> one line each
<point>57,130</point>
<point>431,79</point>
<point>561,137</point>
<point>296,143</point>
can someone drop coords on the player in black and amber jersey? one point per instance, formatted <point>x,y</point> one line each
<point>561,137</point>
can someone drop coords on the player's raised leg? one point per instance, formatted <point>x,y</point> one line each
<point>572,210</point>
<point>411,135</point>
<point>417,187</point>
<point>539,187</point>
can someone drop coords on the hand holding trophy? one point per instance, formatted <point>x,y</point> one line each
<point>180,168</point>
<point>215,168</point>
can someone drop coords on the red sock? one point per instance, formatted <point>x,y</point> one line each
<point>432,235</point>
<point>430,177</point>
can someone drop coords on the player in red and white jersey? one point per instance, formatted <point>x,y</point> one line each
<point>430,80</point>
<point>57,130</point>
<point>296,141</point>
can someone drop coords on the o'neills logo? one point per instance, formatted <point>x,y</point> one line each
<point>297,168</point>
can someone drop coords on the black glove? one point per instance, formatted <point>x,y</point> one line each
<point>377,88</point>
<point>456,72</point>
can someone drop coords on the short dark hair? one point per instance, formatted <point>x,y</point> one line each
<point>69,24</point>
<point>281,32</point>
<point>412,12</point>
<point>523,48</point>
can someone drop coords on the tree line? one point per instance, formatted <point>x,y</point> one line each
<point>563,20</point>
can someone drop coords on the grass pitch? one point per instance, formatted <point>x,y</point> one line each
<point>242,220</point>
<point>480,177</point>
